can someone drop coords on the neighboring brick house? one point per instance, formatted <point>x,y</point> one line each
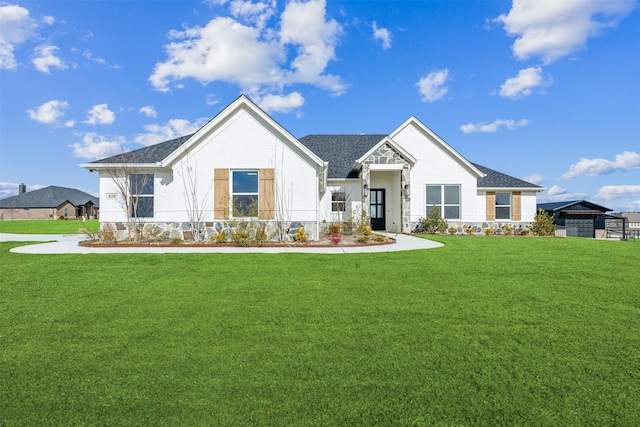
<point>49,203</point>
<point>243,166</point>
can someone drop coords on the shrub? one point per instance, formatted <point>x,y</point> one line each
<point>241,237</point>
<point>470,230</point>
<point>261,234</point>
<point>508,229</point>
<point>433,223</point>
<point>334,228</point>
<point>300,235</point>
<point>221,237</point>
<point>380,238</point>
<point>365,230</point>
<point>543,224</point>
<point>108,234</point>
<point>90,234</point>
<point>177,241</point>
<point>489,231</point>
<point>452,230</point>
<point>363,239</point>
<point>523,232</point>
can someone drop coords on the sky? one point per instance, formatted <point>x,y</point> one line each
<point>546,91</point>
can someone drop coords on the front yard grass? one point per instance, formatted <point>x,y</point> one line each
<point>484,331</point>
<point>36,226</point>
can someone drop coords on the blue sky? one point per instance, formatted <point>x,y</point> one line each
<point>546,91</point>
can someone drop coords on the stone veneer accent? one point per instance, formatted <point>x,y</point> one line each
<point>183,230</point>
<point>386,155</point>
<point>462,226</point>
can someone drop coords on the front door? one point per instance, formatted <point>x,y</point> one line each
<point>376,209</point>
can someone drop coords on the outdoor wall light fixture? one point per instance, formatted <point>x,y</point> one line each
<point>365,187</point>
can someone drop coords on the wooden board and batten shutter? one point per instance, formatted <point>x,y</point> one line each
<point>491,205</point>
<point>266,194</point>
<point>221,194</point>
<point>516,201</point>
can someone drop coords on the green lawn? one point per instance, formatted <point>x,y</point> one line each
<point>34,226</point>
<point>484,331</point>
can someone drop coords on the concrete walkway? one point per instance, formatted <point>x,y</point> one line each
<point>68,244</point>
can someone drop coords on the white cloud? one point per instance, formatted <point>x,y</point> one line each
<point>305,25</point>
<point>594,167</point>
<point>281,103</point>
<point>432,87</point>
<point>633,206</point>
<point>211,99</point>
<point>523,84</point>
<point>253,57</point>
<point>174,128</point>
<point>94,146</point>
<point>49,112</point>
<point>87,54</point>
<point>552,29</point>
<point>100,115</point>
<point>49,20</point>
<point>493,127</point>
<point>557,193</point>
<point>8,189</point>
<point>222,50</point>
<point>44,58</point>
<point>611,192</point>
<point>16,27</point>
<point>383,35</point>
<point>536,178</point>
<point>148,111</point>
<point>255,13</point>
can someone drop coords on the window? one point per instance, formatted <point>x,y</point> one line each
<point>245,193</point>
<point>446,198</point>
<point>141,187</point>
<point>503,205</point>
<point>338,201</point>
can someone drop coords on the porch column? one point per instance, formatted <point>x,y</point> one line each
<point>405,191</point>
<point>365,186</point>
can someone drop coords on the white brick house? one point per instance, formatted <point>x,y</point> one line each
<point>243,166</point>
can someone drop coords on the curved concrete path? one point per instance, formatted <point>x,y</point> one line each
<point>68,244</point>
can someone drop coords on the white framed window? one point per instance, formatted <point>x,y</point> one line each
<point>503,205</point>
<point>446,198</point>
<point>142,194</point>
<point>245,193</point>
<point>338,201</point>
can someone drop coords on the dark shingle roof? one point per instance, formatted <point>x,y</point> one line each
<point>554,206</point>
<point>151,154</point>
<point>495,179</point>
<point>49,197</point>
<point>341,151</point>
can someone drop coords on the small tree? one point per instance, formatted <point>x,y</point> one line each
<point>434,223</point>
<point>543,224</point>
<point>131,181</point>
<point>197,205</point>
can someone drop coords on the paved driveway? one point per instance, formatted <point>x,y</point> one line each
<point>68,244</point>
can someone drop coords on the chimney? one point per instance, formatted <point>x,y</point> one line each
<point>22,188</point>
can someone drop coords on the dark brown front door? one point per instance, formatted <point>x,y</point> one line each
<point>376,209</point>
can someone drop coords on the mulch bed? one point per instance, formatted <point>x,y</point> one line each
<point>325,241</point>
